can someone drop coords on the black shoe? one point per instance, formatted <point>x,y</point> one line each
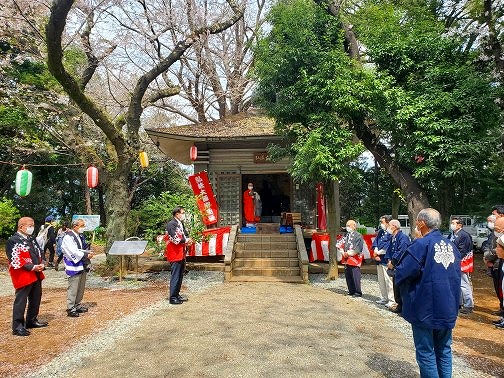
<point>498,321</point>
<point>175,301</point>
<point>81,309</point>
<point>21,332</point>
<point>466,310</point>
<point>36,324</point>
<point>183,298</point>
<point>73,313</point>
<point>356,295</point>
<point>498,312</point>
<point>500,325</point>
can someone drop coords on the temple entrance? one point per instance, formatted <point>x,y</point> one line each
<point>275,190</point>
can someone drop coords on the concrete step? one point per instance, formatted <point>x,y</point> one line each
<point>283,253</point>
<point>265,263</point>
<point>257,238</point>
<point>286,279</point>
<point>264,245</point>
<point>269,272</point>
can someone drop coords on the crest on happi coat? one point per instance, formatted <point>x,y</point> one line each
<point>444,253</point>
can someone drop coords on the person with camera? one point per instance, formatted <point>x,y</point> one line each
<point>76,256</point>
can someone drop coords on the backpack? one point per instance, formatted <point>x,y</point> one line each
<point>42,236</point>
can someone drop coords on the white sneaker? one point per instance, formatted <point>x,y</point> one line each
<point>391,304</point>
<point>381,301</point>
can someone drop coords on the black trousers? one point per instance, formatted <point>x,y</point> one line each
<point>353,279</point>
<point>31,293</point>
<point>177,273</point>
<point>49,246</point>
<point>497,281</point>
<point>397,295</point>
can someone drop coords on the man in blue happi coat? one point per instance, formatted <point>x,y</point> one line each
<point>428,276</point>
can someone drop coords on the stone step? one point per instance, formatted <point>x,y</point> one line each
<point>269,272</point>
<point>257,238</point>
<point>264,246</point>
<point>265,263</point>
<point>286,279</point>
<point>284,253</point>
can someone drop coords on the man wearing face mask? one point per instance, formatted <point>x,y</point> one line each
<point>428,276</point>
<point>380,246</point>
<point>352,257</point>
<point>25,268</point>
<point>76,258</point>
<point>463,241</point>
<point>177,239</point>
<point>491,258</point>
<point>398,246</point>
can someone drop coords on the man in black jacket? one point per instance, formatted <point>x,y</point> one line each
<point>26,270</point>
<point>463,242</point>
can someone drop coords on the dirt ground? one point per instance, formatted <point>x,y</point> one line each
<point>481,344</point>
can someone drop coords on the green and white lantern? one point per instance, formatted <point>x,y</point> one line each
<point>23,182</point>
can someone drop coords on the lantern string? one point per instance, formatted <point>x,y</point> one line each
<point>43,165</point>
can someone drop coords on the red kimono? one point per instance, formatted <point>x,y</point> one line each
<point>249,207</point>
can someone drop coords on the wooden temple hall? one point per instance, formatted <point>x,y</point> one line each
<point>233,152</point>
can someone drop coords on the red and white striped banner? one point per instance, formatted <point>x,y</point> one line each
<point>319,250</point>
<point>213,244</point>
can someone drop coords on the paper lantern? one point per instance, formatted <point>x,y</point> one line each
<point>92,176</point>
<point>23,182</point>
<point>144,159</point>
<point>193,152</point>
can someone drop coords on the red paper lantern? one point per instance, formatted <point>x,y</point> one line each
<point>92,176</point>
<point>193,152</point>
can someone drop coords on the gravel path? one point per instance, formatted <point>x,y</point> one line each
<point>252,330</point>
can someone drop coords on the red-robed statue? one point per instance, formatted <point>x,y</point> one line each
<point>251,205</point>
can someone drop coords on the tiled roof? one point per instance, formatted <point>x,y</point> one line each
<point>235,126</point>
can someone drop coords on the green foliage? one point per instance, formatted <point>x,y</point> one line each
<point>437,103</point>
<point>149,220</point>
<point>311,88</point>
<point>9,215</point>
<point>74,59</point>
<point>32,73</point>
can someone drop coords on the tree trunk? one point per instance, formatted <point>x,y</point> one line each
<point>333,227</point>
<point>117,203</point>
<point>87,196</point>
<point>101,204</point>
<point>396,201</point>
<point>414,194</point>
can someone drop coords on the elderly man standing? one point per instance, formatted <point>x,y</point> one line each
<point>352,258</point>
<point>398,246</point>
<point>463,242</point>
<point>76,259</point>
<point>25,268</point>
<point>428,276</point>
<point>380,246</point>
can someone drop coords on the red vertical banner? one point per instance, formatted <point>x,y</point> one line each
<point>206,200</point>
<point>321,208</point>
